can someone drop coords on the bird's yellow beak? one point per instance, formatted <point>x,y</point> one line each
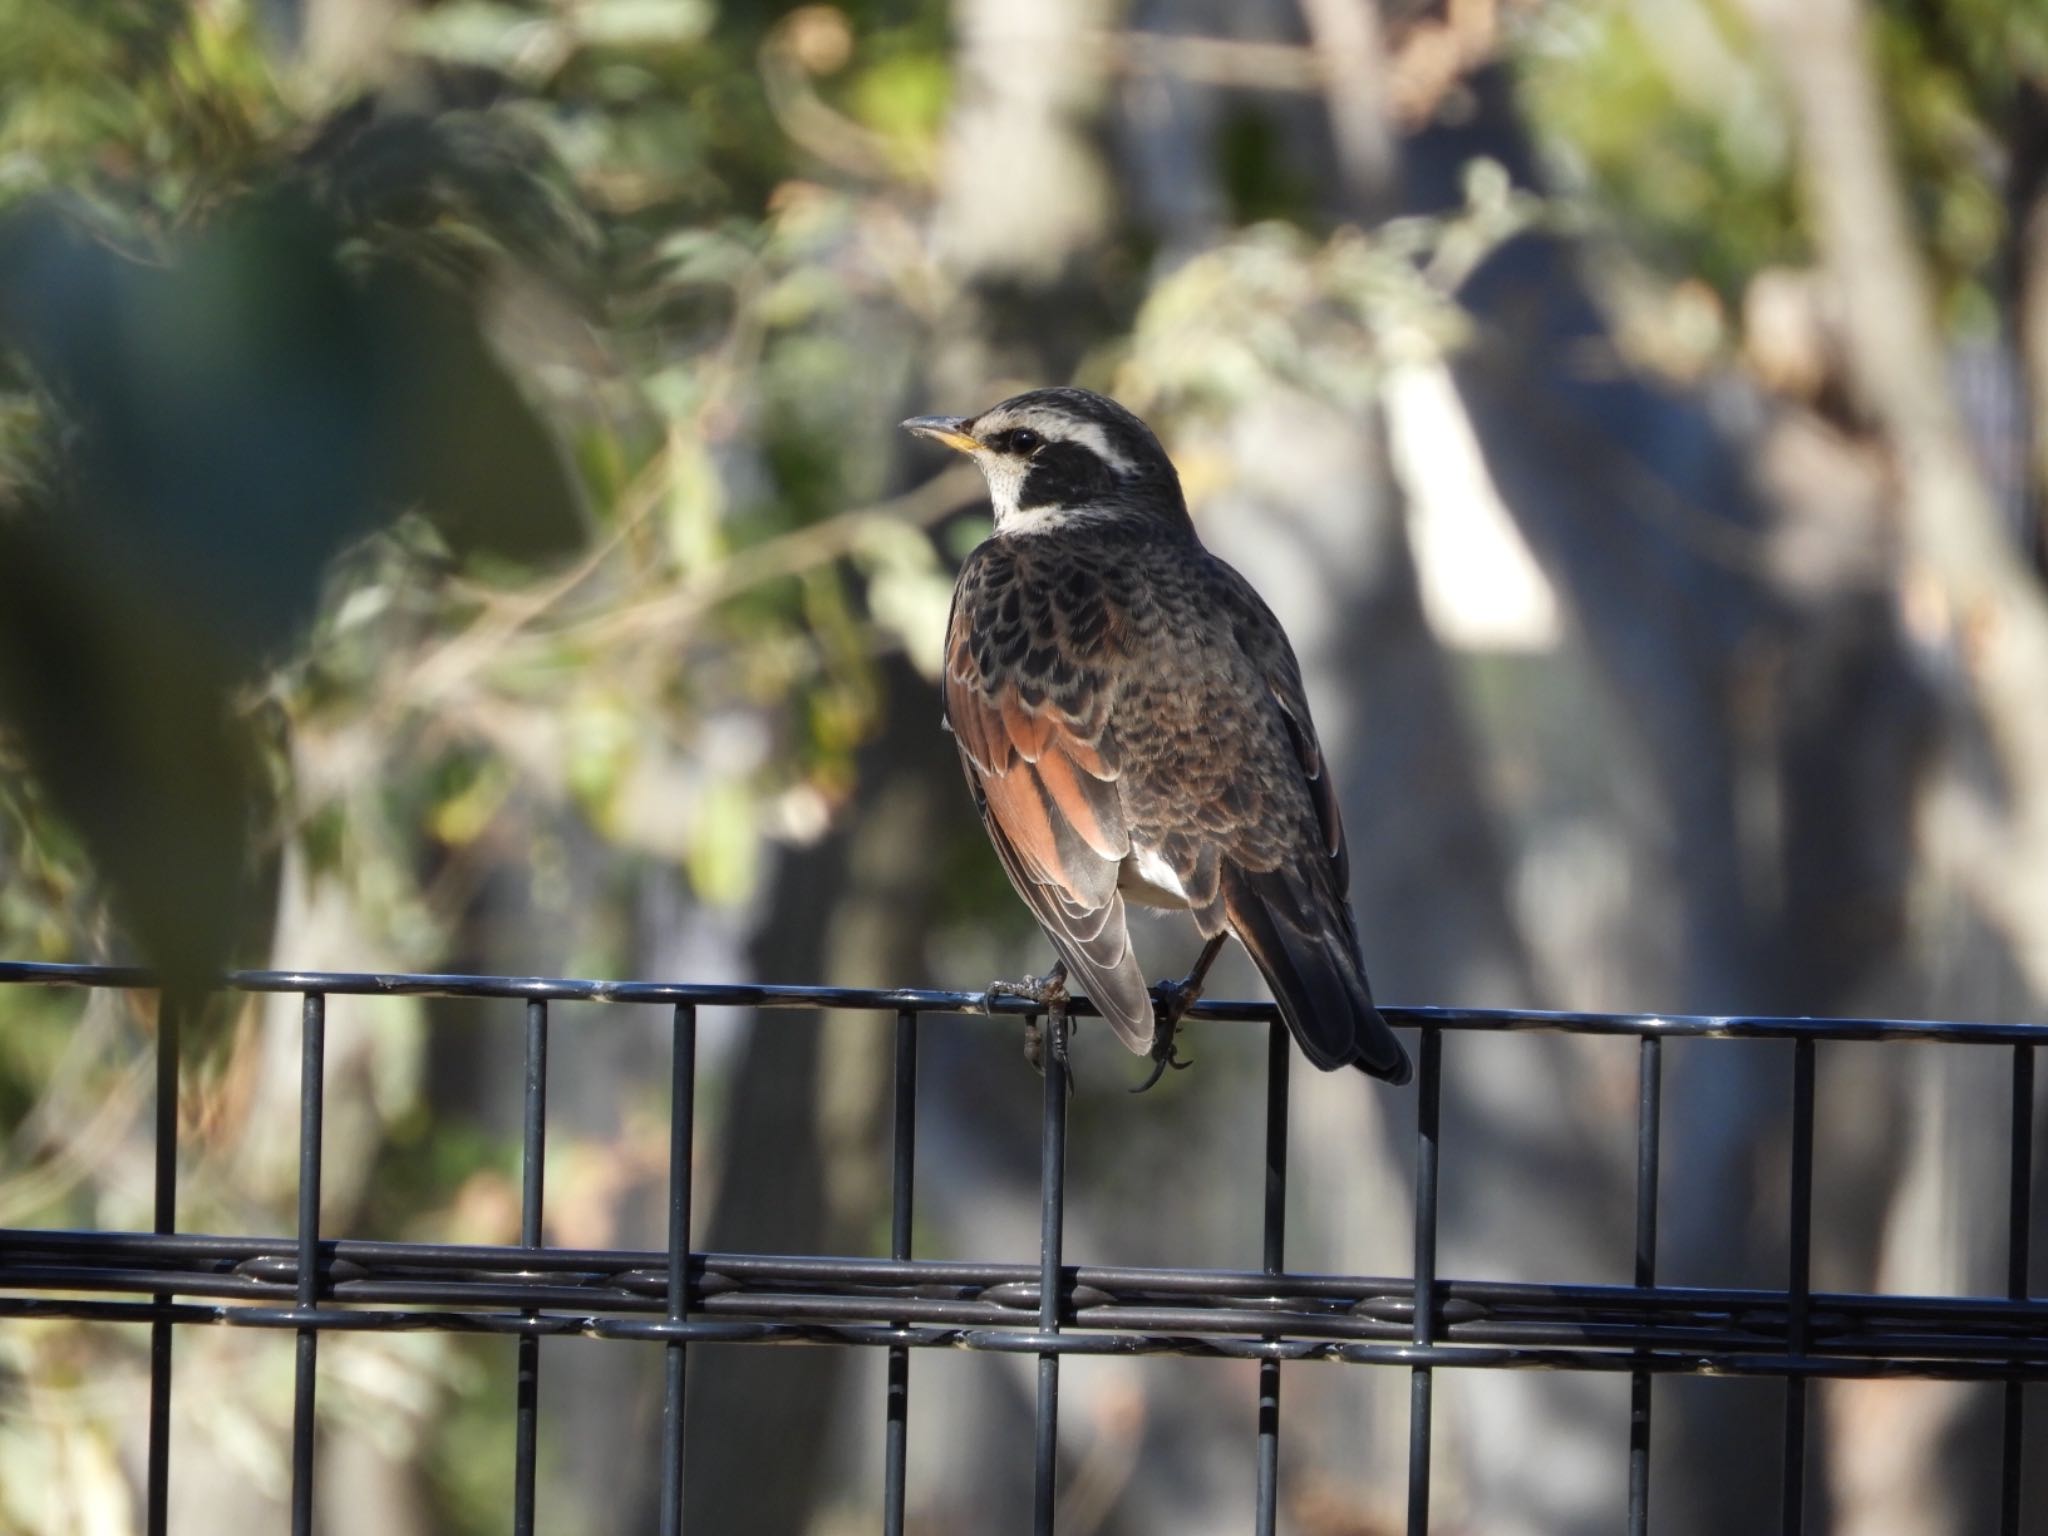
<point>944,429</point>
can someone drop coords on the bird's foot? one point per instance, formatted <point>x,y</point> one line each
<point>1050,993</point>
<point>1053,1024</point>
<point>1174,999</point>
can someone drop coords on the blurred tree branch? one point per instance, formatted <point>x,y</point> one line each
<point>1019,204</point>
<point>1991,610</point>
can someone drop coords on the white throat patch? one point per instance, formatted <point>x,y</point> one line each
<point>1034,520</point>
<point>1005,475</point>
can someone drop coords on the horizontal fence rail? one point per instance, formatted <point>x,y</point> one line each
<point>310,1283</point>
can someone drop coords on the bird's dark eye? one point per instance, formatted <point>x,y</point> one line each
<point>1024,440</point>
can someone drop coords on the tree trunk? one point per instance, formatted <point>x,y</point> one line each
<point>1778,722</point>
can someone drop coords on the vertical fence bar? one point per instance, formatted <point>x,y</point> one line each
<point>312,1098</point>
<point>1793,1519</point>
<point>1052,1173</point>
<point>1278,1049</point>
<point>1649,1116</point>
<point>902,1170</point>
<point>682,1130</point>
<point>1428,1076</point>
<point>157,1479</point>
<point>533,1157</point>
<point>2018,1252</point>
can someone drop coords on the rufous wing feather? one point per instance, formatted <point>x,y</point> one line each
<point>1045,782</point>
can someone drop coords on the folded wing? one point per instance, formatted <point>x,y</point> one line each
<point>1280,876</point>
<point>1035,744</point>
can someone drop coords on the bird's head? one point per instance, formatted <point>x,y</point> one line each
<point>1057,455</point>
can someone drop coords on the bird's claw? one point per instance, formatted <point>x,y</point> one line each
<point>1161,1060</point>
<point>1050,993</point>
<point>1034,1041</point>
<point>1175,999</point>
<point>1043,990</point>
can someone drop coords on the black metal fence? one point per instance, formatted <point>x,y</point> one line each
<point>310,1284</point>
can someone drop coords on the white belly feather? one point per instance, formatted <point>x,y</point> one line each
<point>1149,881</point>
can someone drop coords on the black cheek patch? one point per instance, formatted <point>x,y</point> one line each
<point>1064,475</point>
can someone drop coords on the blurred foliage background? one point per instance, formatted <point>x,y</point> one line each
<point>452,518</point>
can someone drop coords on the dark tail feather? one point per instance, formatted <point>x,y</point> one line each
<point>1380,1054</point>
<point>1316,977</point>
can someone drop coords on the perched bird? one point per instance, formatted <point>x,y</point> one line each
<point>1132,724</point>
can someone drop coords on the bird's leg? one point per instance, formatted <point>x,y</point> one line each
<point>1050,993</point>
<point>1175,998</point>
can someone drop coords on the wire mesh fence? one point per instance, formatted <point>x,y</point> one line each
<point>310,1283</point>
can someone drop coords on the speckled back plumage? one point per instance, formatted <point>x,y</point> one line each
<point>1131,719</point>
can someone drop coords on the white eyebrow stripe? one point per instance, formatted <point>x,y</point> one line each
<point>1057,427</point>
<point>1091,436</point>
